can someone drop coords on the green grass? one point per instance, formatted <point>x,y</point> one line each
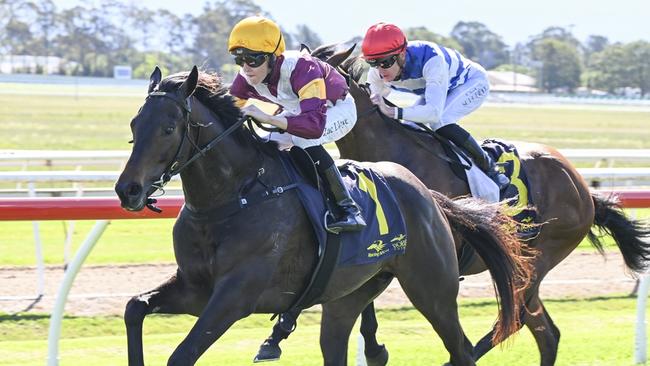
<point>124,241</point>
<point>66,122</point>
<point>598,128</point>
<point>102,122</point>
<point>594,332</point>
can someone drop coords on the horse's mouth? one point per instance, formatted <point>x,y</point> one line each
<point>134,207</point>
<point>133,204</point>
<point>133,197</point>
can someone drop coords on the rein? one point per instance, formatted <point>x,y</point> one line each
<point>175,167</point>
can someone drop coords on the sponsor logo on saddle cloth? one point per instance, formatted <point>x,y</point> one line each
<point>517,193</point>
<point>385,233</point>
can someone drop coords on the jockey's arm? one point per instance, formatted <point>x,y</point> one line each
<point>307,81</point>
<point>436,76</point>
<point>241,92</point>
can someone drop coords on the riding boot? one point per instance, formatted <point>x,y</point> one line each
<point>351,220</point>
<point>461,138</point>
<point>485,162</point>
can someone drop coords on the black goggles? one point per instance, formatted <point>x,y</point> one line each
<point>251,59</point>
<point>384,62</point>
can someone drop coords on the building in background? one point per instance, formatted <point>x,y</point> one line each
<point>25,64</point>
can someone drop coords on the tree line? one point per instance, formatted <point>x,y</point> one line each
<point>92,39</point>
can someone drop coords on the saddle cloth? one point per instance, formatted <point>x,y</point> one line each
<point>385,234</point>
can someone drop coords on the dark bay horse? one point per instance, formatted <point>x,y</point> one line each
<point>258,259</point>
<point>561,197</point>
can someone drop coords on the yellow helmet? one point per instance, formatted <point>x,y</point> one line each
<point>257,34</point>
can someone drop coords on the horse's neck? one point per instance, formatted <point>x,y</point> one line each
<point>371,139</point>
<point>216,178</point>
<point>374,139</point>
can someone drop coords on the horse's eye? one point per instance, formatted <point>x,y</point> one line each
<point>131,141</point>
<point>169,130</point>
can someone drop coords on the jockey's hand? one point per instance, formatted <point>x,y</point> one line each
<point>260,116</point>
<point>378,100</point>
<point>256,113</point>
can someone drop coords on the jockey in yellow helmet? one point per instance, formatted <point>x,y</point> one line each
<point>449,85</point>
<point>317,108</point>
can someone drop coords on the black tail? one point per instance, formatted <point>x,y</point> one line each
<point>493,235</point>
<point>628,234</point>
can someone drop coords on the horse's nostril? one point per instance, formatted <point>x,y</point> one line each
<point>134,189</point>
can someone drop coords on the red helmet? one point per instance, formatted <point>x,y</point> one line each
<point>383,39</point>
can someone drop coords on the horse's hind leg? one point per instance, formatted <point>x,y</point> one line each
<point>437,302</point>
<point>376,354</point>
<point>172,297</point>
<point>340,315</point>
<point>539,322</point>
<point>546,334</point>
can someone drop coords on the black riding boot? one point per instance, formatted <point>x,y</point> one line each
<point>465,141</point>
<point>351,220</point>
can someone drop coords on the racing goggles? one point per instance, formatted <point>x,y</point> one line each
<point>384,62</point>
<point>251,59</point>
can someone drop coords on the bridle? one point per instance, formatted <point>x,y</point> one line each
<point>176,166</point>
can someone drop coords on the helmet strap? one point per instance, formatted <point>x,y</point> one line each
<point>277,44</point>
<point>401,64</point>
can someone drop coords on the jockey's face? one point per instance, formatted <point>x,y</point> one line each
<point>255,75</point>
<point>389,74</point>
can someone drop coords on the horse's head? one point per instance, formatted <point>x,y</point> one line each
<point>158,131</point>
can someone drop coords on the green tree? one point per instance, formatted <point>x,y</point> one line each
<point>638,65</point>
<point>595,43</point>
<point>607,69</point>
<point>423,34</point>
<point>560,64</point>
<point>212,29</point>
<point>557,33</point>
<point>481,44</point>
<point>305,35</point>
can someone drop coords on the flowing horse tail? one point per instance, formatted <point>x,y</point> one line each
<point>627,233</point>
<point>492,234</point>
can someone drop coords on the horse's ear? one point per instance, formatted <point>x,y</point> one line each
<point>305,47</point>
<point>154,79</point>
<point>337,58</point>
<point>189,85</point>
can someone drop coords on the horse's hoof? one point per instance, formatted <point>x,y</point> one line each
<point>380,359</point>
<point>268,352</point>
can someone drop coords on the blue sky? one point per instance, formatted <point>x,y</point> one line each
<point>514,20</point>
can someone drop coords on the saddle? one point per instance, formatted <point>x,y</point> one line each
<point>384,235</point>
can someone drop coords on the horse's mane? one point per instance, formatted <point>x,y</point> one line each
<point>354,66</point>
<point>211,91</point>
<point>325,51</point>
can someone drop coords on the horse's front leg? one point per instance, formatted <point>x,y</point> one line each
<point>172,297</point>
<point>234,297</point>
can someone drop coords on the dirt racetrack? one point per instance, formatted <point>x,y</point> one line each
<point>104,290</point>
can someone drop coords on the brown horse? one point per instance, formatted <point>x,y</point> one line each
<point>561,196</point>
<point>235,258</point>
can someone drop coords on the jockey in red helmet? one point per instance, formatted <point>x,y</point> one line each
<point>449,85</point>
